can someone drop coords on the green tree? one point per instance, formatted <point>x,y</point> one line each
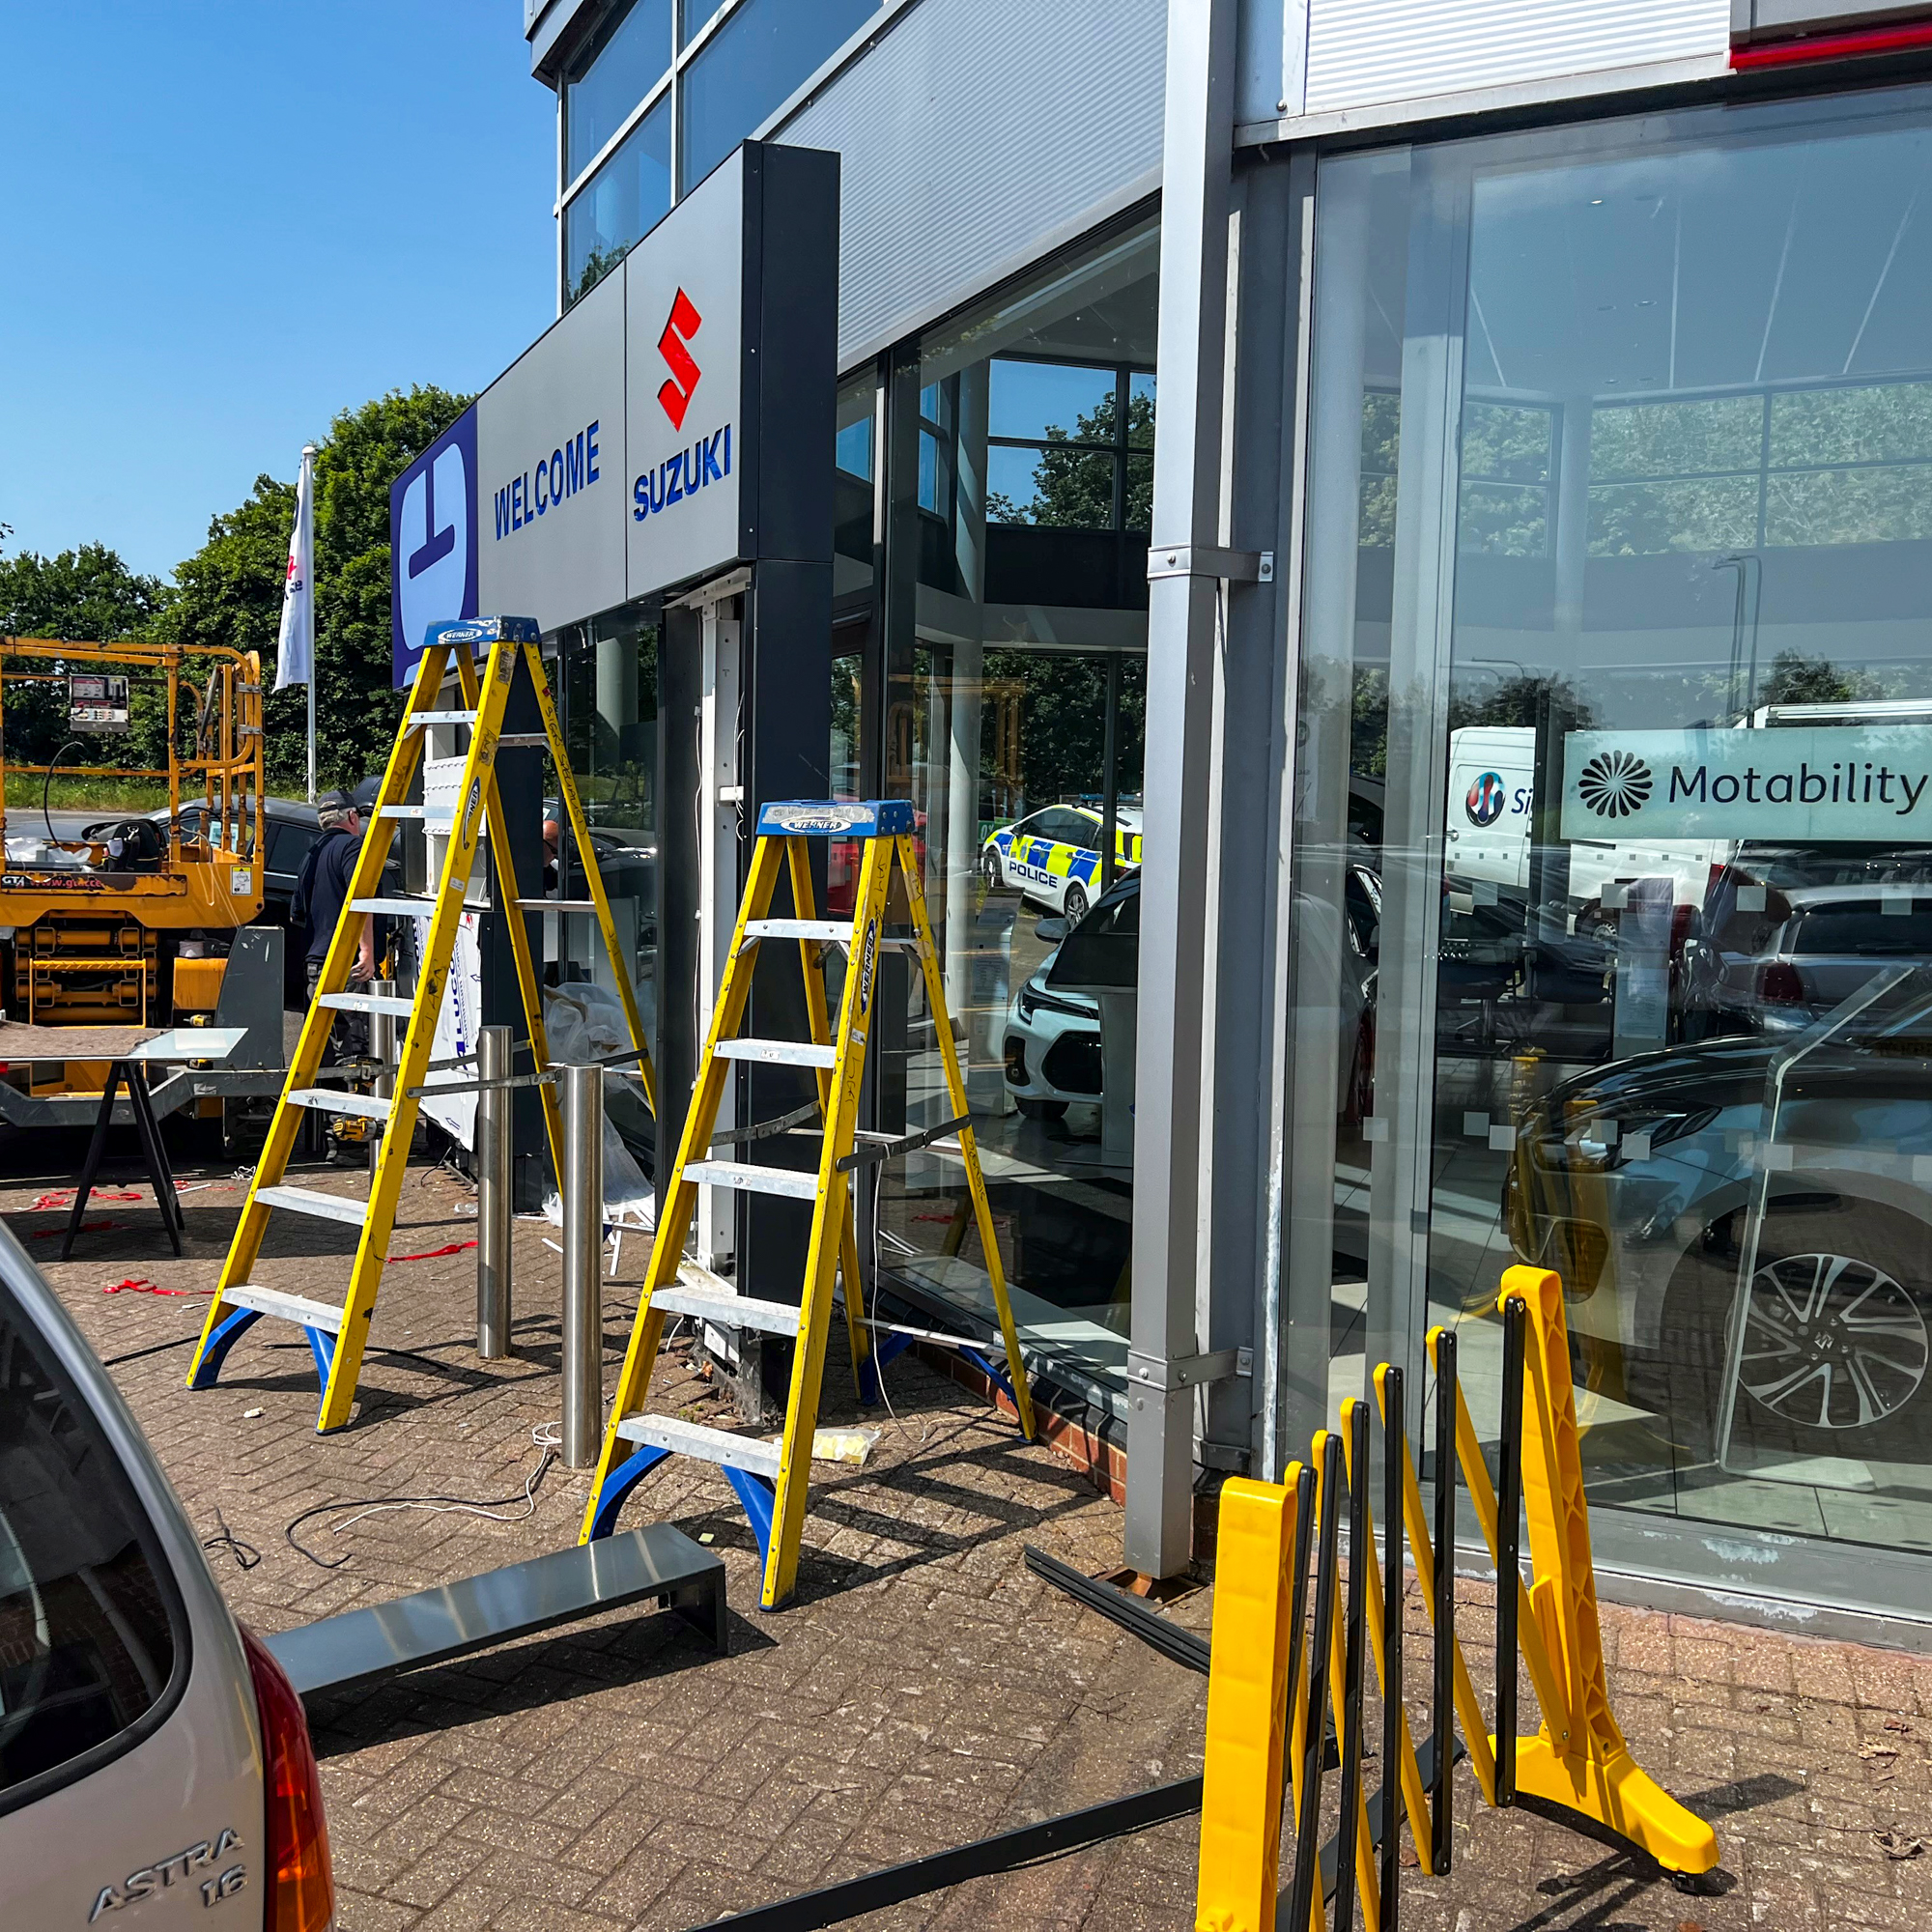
<point>1073,482</point>
<point>231,589</point>
<point>88,595</point>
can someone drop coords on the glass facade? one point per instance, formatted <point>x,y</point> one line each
<point>1013,719</point>
<point>1613,920</point>
<point>705,74</point>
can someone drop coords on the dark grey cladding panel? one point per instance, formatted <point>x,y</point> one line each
<point>551,28</point>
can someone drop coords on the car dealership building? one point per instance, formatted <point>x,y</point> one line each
<point>1453,482</point>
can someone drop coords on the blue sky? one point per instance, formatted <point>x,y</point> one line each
<point>223,220</point>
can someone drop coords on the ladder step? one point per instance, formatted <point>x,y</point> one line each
<point>779,1052</point>
<point>288,1307</point>
<point>408,908</point>
<point>366,1003</point>
<point>692,1438</point>
<point>418,717</point>
<point>336,1100</point>
<point>522,741</point>
<point>430,814</point>
<point>309,1200</point>
<point>753,1179</point>
<point>831,930</point>
<point>727,1311</point>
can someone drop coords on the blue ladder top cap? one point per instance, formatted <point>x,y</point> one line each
<point>836,818</point>
<point>484,631</point>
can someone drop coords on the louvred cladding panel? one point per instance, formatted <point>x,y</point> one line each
<point>1364,52</point>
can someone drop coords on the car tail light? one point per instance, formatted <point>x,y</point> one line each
<point>1779,985</point>
<point>301,1889</point>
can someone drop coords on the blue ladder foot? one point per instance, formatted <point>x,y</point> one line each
<point>759,1497</point>
<point>208,1371</point>
<point>617,1486</point>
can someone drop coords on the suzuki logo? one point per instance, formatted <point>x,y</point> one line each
<point>680,326</point>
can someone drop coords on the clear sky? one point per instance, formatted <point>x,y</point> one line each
<point>223,220</point>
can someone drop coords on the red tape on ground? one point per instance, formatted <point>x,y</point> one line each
<point>139,1284</point>
<point>434,1254</point>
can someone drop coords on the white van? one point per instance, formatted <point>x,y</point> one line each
<point>1492,788</point>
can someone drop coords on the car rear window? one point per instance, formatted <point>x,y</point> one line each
<point>89,1637</point>
<point>1866,932</point>
<point>288,846</point>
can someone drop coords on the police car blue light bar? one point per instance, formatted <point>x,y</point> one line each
<point>484,631</point>
<point>836,818</point>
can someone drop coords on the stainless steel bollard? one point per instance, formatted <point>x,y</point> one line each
<point>582,1187</point>
<point>383,1041</point>
<point>494,1044</point>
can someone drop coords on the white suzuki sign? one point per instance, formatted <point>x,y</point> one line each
<point>685,354</point>
<point>1814,786</point>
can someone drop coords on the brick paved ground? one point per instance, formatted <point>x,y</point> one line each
<point>925,1690</point>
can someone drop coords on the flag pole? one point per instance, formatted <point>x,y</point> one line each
<point>308,549</point>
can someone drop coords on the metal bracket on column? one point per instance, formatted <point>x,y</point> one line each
<point>1178,1372</point>
<point>1235,566</point>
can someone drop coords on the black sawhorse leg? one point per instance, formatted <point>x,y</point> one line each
<point>131,1074</point>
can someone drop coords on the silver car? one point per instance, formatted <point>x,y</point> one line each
<point>155,1768</point>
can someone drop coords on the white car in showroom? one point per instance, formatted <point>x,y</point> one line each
<point>155,1768</point>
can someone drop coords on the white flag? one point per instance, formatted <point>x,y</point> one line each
<point>295,648</point>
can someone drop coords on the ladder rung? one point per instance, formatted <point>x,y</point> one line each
<point>692,1438</point>
<point>410,908</point>
<point>417,718</point>
<point>337,1100</point>
<point>831,930</point>
<point>728,1311</point>
<point>289,1307</point>
<point>366,1003</point>
<point>779,1052</point>
<point>309,1200</point>
<point>786,1180</point>
<point>520,741</point>
<point>430,814</point>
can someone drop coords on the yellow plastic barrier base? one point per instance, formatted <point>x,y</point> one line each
<point>1623,1796</point>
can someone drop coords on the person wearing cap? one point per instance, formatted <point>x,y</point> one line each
<point>317,905</point>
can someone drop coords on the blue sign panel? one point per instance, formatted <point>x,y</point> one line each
<point>433,545</point>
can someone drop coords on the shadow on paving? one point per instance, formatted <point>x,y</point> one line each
<point>534,1675</point>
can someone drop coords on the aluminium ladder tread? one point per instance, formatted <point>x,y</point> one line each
<point>367,1003</point>
<point>311,1201</point>
<point>792,1183</point>
<point>340,1100</point>
<point>728,1311</point>
<point>416,718</point>
<point>410,907</point>
<point>750,1452</point>
<point>288,1307</point>
<point>779,1052</point>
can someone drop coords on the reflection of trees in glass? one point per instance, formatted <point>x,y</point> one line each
<point>1526,698</point>
<point>1064,724</point>
<point>1796,679</point>
<point>1811,467</point>
<point>1073,486</point>
<point>844,727</point>
<point>1505,490</point>
<point>596,266</point>
<point>1369,730</point>
<point>1382,442</point>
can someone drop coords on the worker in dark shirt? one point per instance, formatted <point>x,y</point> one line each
<point>317,907</point>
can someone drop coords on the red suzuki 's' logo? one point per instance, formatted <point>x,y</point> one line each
<point>680,326</point>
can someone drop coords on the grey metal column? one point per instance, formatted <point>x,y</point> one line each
<point>494,1183</point>
<point>1184,622</point>
<point>582,1097</point>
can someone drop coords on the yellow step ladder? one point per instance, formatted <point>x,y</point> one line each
<point>770,1478</point>
<point>337,1335</point>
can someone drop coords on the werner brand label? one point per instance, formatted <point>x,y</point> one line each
<point>1812,785</point>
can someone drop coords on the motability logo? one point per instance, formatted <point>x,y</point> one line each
<point>1487,799</point>
<point>1614,785</point>
<point>680,326</point>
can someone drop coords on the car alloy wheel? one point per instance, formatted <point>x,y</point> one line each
<point>1831,1342</point>
<point>1076,905</point>
<point>996,877</point>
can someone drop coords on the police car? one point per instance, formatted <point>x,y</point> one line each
<point>1053,856</point>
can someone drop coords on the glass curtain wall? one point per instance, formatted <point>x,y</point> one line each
<point>1014,722</point>
<point>608,682</point>
<point>682,86</point>
<point>1613,917</point>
